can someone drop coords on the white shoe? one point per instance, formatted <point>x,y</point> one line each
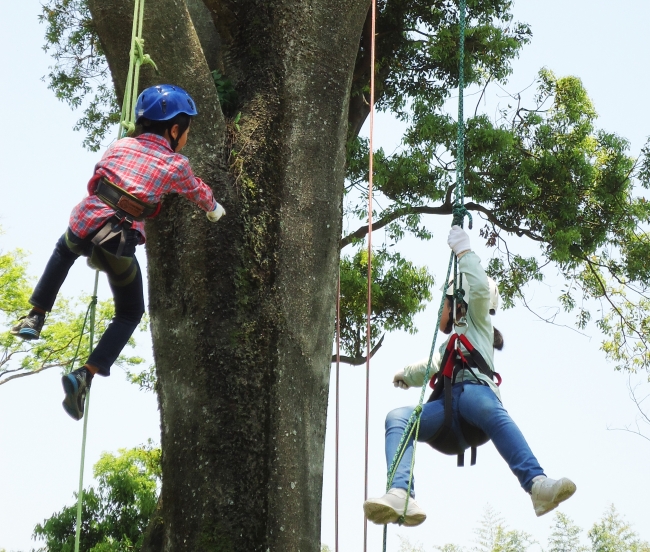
<point>548,493</point>
<point>390,507</point>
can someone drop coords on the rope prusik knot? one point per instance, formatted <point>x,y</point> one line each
<point>459,212</point>
<point>129,126</point>
<point>140,56</point>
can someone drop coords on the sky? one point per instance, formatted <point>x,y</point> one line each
<point>558,386</point>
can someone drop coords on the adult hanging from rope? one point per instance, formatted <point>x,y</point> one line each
<point>127,187</point>
<point>475,400</point>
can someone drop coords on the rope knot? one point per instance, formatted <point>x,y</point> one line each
<point>459,212</point>
<point>129,126</point>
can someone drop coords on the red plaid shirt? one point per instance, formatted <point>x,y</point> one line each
<point>146,167</point>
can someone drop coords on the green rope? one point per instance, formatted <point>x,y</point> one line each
<point>91,309</point>
<point>137,59</point>
<point>459,213</point>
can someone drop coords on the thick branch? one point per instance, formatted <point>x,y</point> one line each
<point>359,360</point>
<point>30,373</point>
<point>444,209</point>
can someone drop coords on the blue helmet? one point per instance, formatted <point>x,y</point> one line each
<point>163,102</point>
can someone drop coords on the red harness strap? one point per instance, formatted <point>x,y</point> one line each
<point>448,359</point>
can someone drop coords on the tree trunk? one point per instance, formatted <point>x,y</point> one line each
<point>242,311</point>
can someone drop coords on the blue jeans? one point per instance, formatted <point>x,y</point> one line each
<point>479,406</point>
<point>124,278</point>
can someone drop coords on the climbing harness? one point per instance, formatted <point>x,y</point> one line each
<point>137,58</point>
<point>453,362</point>
<point>127,209</point>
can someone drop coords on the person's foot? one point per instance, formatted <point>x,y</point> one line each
<point>75,385</point>
<point>548,493</point>
<point>29,327</point>
<point>390,507</point>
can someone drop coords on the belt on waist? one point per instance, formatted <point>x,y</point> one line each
<point>122,201</point>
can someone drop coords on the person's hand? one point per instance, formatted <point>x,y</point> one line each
<point>458,240</point>
<point>216,214</point>
<point>398,380</point>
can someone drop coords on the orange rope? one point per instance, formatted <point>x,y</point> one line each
<point>336,445</point>
<point>370,171</point>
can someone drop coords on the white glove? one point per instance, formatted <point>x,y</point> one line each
<point>398,380</point>
<point>216,214</point>
<point>458,240</point>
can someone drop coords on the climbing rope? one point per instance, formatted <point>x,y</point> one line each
<point>91,309</point>
<point>373,17</point>
<point>459,212</point>
<point>137,58</point>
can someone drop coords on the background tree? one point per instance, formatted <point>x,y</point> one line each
<point>242,313</point>
<point>612,533</point>
<point>116,513</point>
<point>565,536</point>
<point>493,535</point>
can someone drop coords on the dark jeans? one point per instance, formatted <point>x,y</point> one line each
<point>124,278</point>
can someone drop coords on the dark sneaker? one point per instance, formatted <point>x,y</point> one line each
<point>29,327</point>
<point>76,384</point>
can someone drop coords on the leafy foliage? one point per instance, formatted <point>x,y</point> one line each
<point>80,74</point>
<point>417,49</point>
<point>226,92</point>
<point>565,536</point>
<point>399,290</point>
<point>116,513</point>
<point>609,534</point>
<point>613,534</point>
<point>63,333</point>
<point>494,536</point>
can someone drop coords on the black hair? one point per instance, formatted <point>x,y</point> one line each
<point>498,339</point>
<point>145,125</point>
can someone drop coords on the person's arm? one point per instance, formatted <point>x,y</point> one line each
<point>198,192</point>
<point>413,374</point>
<point>469,265</point>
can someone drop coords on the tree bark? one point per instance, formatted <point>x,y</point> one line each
<point>242,311</point>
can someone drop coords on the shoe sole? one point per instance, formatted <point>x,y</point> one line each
<point>70,388</point>
<point>414,520</point>
<point>27,334</point>
<point>565,491</point>
<point>382,514</point>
